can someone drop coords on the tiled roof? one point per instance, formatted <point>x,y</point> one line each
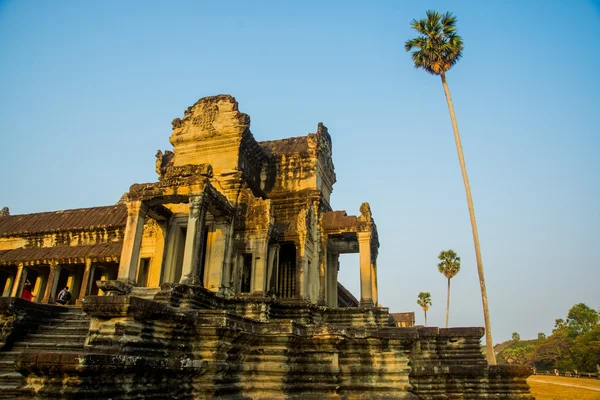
<point>64,220</point>
<point>406,317</point>
<point>345,297</point>
<point>60,253</point>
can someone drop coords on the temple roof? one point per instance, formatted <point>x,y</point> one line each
<point>64,220</point>
<point>407,317</point>
<point>60,253</point>
<point>345,297</point>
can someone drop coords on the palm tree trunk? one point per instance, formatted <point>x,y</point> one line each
<point>425,317</point>
<point>491,357</point>
<point>448,303</point>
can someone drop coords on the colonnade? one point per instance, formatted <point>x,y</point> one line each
<point>45,287</point>
<point>215,265</point>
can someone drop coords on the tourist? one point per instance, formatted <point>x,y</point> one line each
<point>556,372</point>
<point>64,296</point>
<point>27,294</point>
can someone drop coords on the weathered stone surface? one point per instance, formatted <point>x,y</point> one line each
<point>220,281</point>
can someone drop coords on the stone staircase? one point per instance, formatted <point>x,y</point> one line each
<point>64,332</point>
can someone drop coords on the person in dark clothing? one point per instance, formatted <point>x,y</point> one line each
<point>64,296</point>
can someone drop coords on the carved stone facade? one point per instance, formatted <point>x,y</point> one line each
<point>220,280</point>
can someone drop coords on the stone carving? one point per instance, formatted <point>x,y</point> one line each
<point>163,162</point>
<point>114,288</point>
<point>210,116</point>
<point>365,212</point>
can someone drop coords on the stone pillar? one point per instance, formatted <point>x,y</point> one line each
<point>19,281</point>
<point>8,286</point>
<point>40,287</point>
<point>130,254</point>
<point>170,255</point>
<point>88,273</point>
<point>300,272</point>
<point>228,262</point>
<point>332,272</point>
<point>366,287</point>
<point>218,253</point>
<point>323,278</point>
<point>272,265</point>
<point>374,281</point>
<point>156,263</point>
<point>194,241</point>
<point>259,266</point>
<point>52,282</point>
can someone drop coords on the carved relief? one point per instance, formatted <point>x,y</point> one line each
<point>163,162</point>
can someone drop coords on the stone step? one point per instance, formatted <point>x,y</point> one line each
<point>7,366</point>
<point>12,378</point>
<point>9,355</point>
<point>64,328</point>
<point>8,392</point>
<point>45,346</point>
<point>54,337</point>
<point>67,322</point>
<point>69,316</point>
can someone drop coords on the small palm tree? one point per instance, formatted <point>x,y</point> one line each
<point>424,301</point>
<point>449,266</point>
<point>439,48</point>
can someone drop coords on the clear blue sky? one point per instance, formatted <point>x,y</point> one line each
<point>88,91</point>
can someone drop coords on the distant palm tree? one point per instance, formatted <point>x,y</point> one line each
<point>438,48</point>
<point>424,301</point>
<point>449,266</point>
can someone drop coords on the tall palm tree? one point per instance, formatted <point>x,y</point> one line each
<point>449,266</point>
<point>424,301</point>
<point>438,48</point>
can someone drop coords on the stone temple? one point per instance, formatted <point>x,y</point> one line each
<point>220,281</point>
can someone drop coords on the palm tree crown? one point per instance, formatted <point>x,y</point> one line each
<point>439,46</point>
<point>449,263</point>
<point>424,301</point>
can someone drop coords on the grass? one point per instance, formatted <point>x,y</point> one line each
<point>549,389</point>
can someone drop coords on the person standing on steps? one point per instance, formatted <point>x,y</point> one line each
<point>64,296</point>
<point>27,291</point>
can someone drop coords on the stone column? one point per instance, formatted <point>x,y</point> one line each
<point>19,281</point>
<point>52,282</point>
<point>40,287</point>
<point>216,264</point>
<point>8,286</point>
<point>130,254</point>
<point>301,273</point>
<point>194,241</point>
<point>323,278</point>
<point>366,287</point>
<point>86,280</point>
<point>170,254</point>
<point>228,262</point>
<point>272,267</point>
<point>332,272</point>
<point>374,281</point>
<point>259,266</point>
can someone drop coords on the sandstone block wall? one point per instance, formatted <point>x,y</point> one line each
<point>189,343</point>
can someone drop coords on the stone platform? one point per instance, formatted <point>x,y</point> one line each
<point>188,343</point>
